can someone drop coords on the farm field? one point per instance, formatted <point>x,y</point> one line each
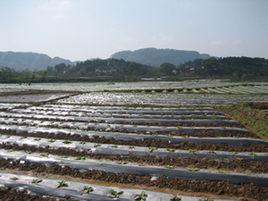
<point>131,142</point>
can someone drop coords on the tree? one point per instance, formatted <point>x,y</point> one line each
<point>167,69</point>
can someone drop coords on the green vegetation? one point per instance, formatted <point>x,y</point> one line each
<point>235,68</point>
<point>141,196</point>
<point>176,198</point>
<point>36,181</point>
<point>253,119</point>
<point>87,189</point>
<point>62,184</point>
<point>115,194</point>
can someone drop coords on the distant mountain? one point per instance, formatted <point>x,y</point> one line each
<point>155,57</point>
<point>28,60</point>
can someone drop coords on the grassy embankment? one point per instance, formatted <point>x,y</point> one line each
<point>250,115</point>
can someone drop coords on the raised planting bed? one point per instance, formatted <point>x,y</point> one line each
<point>17,184</point>
<point>33,98</point>
<point>243,161</point>
<point>94,113</point>
<point>162,99</point>
<point>139,129</point>
<point>11,192</point>
<point>10,106</point>
<point>224,144</point>
<point>133,121</point>
<point>126,110</point>
<point>251,186</point>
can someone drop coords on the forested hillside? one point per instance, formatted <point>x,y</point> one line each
<point>155,57</point>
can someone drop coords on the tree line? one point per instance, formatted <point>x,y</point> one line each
<point>238,68</point>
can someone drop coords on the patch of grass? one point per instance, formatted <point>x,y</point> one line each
<point>253,119</point>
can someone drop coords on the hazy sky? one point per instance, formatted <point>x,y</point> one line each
<point>82,29</point>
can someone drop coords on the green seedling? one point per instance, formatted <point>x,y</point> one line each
<point>115,194</point>
<point>170,166</point>
<point>87,189</point>
<point>192,151</point>
<point>62,184</point>
<point>51,140</point>
<point>206,199</point>
<point>37,139</point>
<point>234,153</point>
<point>121,162</point>
<point>141,196</point>
<point>114,146</point>
<point>211,152</point>
<point>44,154</point>
<point>194,169</point>
<point>82,142</point>
<point>14,178</point>
<point>81,158</point>
<point>66,142</point>
<point>152,149</point>
<point>131,147</point>
<point>170,150</point>
<point>97,145</point>
<point>36,181</point>
<point>253,154</point>
<point>65,156</point>
<point>176,198</point>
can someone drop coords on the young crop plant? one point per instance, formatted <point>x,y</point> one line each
<point>176,198</point>
<point>253,154</point>
<point>114,146</point>
<point>14,178</point>
<point>234,153</point>
<point>152,149</point>
<point>192,151</point>
<point>36,181</point>
<point>87,189</point>
<point>206,199</point>
<point>96,145</point>
<point>170,150</point>
<point>193,169</point>
<point>211,152</point>
<point>169,166</point>
<point>141,196</point>
<point>115,194</point>
<point>44,154</point>
<point>81,158</point>
<point>61,184</point>
<point>67,142</point>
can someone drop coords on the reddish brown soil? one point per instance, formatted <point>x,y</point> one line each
<point>8,194</point>
<point>250,191</point>
<point>145,143</point>
<point>202,163</point>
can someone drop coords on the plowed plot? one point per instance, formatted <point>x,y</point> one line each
<point>124,152</point>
